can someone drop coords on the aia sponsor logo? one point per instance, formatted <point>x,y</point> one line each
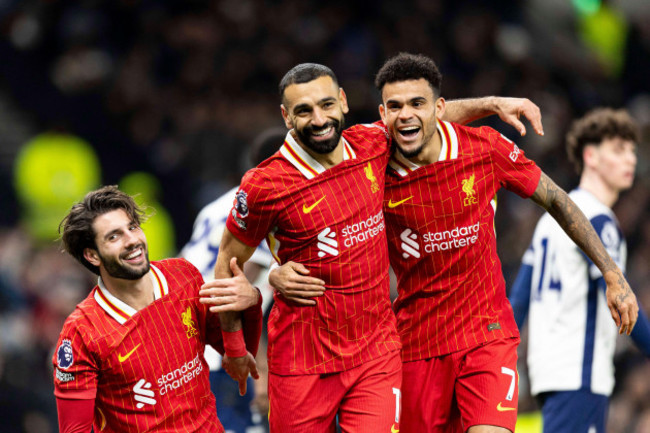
<point>410,245</point>
<point>327,243</point>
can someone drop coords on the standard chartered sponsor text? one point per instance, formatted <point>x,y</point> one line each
<point>180,376</point>
<point>458,237</point>
<point>362,231</point>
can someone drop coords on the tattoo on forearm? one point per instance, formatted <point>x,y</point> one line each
<point>553,198</point>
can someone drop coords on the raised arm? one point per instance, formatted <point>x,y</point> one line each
<point>510,110</point>
<point>620,298</point>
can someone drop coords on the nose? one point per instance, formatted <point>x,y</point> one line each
<point>405,112</point>
<point>319,118</point>
<point>131,238</point>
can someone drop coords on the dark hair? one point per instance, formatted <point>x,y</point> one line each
<point>304,73</point>
<point>76,229</point>
<point>266,144</point>
<point>596,126</point>
<point>406,66</point>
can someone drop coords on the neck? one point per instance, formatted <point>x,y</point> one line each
<point>597,186</point>
<point>135,293</point>
<point>327,160</point>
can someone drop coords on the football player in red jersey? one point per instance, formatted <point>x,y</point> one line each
<point>130,356</point>
<point>318,201</point>
<point>459,337</point>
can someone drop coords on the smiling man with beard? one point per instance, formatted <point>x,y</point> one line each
<point>318,202</point>
<point>130,357</point>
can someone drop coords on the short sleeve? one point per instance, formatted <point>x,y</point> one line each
<point>514,171</point>
<point>253,212</point>
<point>75,368</point>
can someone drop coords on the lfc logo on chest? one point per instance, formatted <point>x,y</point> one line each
<point>190,325</point>
<point>370,175</point>
<point>468,193</point>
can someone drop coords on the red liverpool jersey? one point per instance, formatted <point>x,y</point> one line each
<point>331,221</point>
<point>440,219</point>
<point>145,369</point>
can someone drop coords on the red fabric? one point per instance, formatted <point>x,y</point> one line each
<point>75,416</point>
<point>365,398</point>
<point>234,344</point>
<point>252,326</point>
<point>442,242</point>
<point>451,393</point>
<point>146,369</point>
<point>331,222</point>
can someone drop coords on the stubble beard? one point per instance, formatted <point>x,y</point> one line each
<point>118,270</point>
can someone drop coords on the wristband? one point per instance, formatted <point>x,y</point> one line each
<point>233,343</point>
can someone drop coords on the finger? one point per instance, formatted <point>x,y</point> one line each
<point>234,267</point>
<point>302,301</point>
<point>300,268</point>
<point>304,293</point>
<point>254,372</point>
<point>514,121</point>
<point>534,116</point>
<point>310,280</point>
<point>226,308</point>
<point>615,316</point>
<point>625,322</point>
<point>242,386</point>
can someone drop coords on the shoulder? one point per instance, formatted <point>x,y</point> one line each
<point>368,137</point>
<point>472,139</point>
<point>83,317</point>
<point>176,265</point>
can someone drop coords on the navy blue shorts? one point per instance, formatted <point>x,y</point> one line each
<point>574,412</point>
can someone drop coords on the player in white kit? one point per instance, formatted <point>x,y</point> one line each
<point>571,336</point>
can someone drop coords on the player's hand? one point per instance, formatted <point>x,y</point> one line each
<point>239,369</point>
<point>229,294</point>
<point>293,282</point>
<point>621,302</point>
<point>510,111</point>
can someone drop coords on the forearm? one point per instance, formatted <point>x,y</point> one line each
<point>230,320</point>
<point>465,111</point>
<point>576,225</point>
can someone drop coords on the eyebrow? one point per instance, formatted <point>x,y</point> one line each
<point>307,106</point>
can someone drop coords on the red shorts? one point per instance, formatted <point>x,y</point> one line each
<point>451,393</point>
<point>365,398</point>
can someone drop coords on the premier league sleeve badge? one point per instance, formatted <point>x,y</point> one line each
<point>64,357</point>
<point>240,209</point>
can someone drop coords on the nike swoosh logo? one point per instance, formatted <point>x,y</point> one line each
<point>504,409</point>
<point>393,429</point>
<point>392,204</point>
<point>307,209</point>
<point>125,357</point>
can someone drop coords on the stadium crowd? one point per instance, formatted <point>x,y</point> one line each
<point>177,89</point>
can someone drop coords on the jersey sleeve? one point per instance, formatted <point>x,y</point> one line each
<point>252,214</point>
<point>75,367</point>
<point>514,171</point>
<point>520,293</point>
<point>75,416</point>
<point>611,237</point>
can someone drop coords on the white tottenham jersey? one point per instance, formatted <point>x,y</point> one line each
<point>571,332</point>
<point>203,247</point>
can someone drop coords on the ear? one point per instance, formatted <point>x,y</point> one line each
<point>344,101</point>
<point>382,113</point>
<point>589,156</point>
<point>440,107</point>
<point>285,115</point>
<point>92,256</point>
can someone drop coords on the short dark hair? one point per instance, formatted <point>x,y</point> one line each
<point>304,73</point>
<point>407,66</point>
<point>594,127</point>
<point>76,229</point>
<point>266,144</point>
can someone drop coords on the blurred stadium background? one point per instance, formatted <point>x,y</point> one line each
<point>163,97</point>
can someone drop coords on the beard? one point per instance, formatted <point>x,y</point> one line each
<point>411,153</point>
<point>124,271</point>
<point>326,146</point>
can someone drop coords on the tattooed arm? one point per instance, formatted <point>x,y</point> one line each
<point>620,299</point>
<point>509,110</point>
